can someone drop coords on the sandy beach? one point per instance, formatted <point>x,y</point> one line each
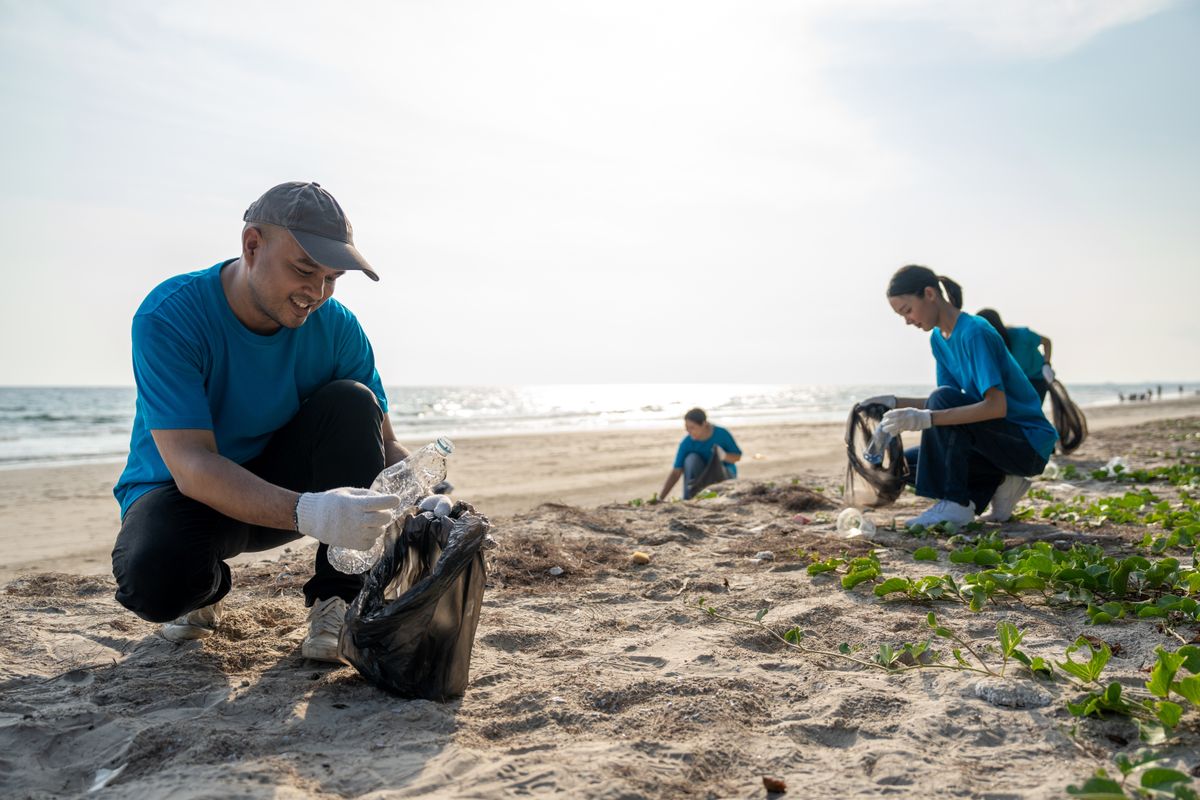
<point>608,681</point>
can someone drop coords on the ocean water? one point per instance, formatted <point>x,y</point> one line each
<point>64,425</point>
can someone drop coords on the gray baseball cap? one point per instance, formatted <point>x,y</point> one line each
<point>316,222</point>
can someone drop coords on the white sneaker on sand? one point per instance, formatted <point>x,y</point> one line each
<point>1012,489</point>
<point>325,621</point>
<point>944,511</point>
<point>196,624</point>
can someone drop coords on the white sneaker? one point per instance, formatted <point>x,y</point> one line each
<point>325,621</point>
<point>1012,489</point>
<point>944,511</point>
<point>197,624</point>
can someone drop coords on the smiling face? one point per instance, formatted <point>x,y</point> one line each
<point>284,285</point>
<point>921,310</point>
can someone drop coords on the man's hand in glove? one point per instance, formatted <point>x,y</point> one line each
<point>1047,373</point>
<point>347,517</point>
<point>906,419</point>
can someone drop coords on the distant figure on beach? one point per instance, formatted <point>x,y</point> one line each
<point>260,417</point>
<point>703,443</point>
<point>1024,345</point>
<point>983,433</point>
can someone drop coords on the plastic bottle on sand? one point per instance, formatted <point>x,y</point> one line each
<point>410,479</point>
<point>851,523</point>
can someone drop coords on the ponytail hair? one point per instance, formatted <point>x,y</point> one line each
<point>993,318</point>
<point>913,279</point>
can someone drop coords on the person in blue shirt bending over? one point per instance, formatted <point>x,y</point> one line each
<point>1023,344</point>
<point>703,443</point>
<point>260,417</point>
<point>983,433</point>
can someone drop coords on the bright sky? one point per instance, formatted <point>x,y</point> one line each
<point>618,192</point>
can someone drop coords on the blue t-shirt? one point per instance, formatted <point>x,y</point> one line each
<point>1024,345</point>
<point>720,437</point>
<point>974,359</point>
<point>198,367</point>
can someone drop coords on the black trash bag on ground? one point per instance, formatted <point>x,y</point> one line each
<point>872,485</point>
<point>411,628</point>
<point>714,472</point>
<point>1069,421</point>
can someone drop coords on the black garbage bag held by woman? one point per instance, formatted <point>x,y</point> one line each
<point>411,629</point>
<point>872,485</point>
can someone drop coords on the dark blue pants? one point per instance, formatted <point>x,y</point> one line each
<point>170,555</point>
<point>966,463</point>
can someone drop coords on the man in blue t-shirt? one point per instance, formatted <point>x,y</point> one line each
<point>260,418</point>
<point>704,442</point>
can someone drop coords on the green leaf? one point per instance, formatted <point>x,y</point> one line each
<point>1099,787</point>
<point>964,556</point>
<point>987,558</point>
<point>1188,688</point>
<point>1009,637</point>
<point>892,585</point>
<point>844,648</point>
<point>1168,713</point>
<point>1157,777</point>
<point>1191,655</point>
<point>978,596</point>
<point>1163,673</point>
<point>793,636</point>
<point>761,613</point>
<point>925,554</point>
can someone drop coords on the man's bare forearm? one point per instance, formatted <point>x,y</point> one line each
<point>236,492</point>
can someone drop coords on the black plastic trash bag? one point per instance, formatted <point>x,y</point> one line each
<point>1069,421</point>
<point>714,472</point>
<point>411,628</point>
<point>872,485</point>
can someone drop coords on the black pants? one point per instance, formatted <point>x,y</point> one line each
<point>170,554</point>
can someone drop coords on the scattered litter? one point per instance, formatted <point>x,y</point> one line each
<point>764,555</point>
<point>104,777</point>
<point>851,523</point>
<point>554,572</point>
<point>1115,466</point>
<point>774,785</point>
<point>803,520</point>
<point>640,557</point>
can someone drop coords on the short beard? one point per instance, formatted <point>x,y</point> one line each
<point>259,304</point>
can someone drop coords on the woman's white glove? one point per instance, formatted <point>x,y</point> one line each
<point>906,419</point>
<point>888,400</point>
<point>1047,373</point>
<point>348,517</point>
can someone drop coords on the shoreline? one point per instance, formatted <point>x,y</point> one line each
<point>64,518</point>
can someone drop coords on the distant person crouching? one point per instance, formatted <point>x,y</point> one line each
<point>703,443</point>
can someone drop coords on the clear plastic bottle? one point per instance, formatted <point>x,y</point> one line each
<point>410,479</point>
<point>877,447</point>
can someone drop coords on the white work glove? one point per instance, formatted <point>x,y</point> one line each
<point>906,419</point>
<point>439,504</point>
<point>348,517</point>
<point>1047,373</point>
<point>888,400</point>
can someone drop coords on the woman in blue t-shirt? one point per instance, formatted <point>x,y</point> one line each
<point>1024,345</point>
<point>983,433</point>
<point>704,442</point>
